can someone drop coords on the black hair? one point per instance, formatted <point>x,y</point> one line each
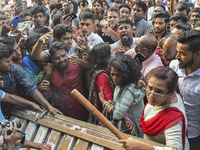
<point>43,30</point>
<point>100,55</point>
<point>60,30</point>
<point>8,40</point>
<point>114,9</point>
<point>125,21</point>
<point>191,5</point>
<point>98,1</point>
<point>5,51</point>
<point>141,4</point>
<point>196,9</point>
<point>87,15</point>
<point>160,6</point>
<point>183,27</point>
<point>179,16</point>
<point>24,14</point>
<point>183,6</point>
<point>47,19</point>
<point>32,40</point>
<point>56,46</point>
<point>127,67</point>
<point>164,15</point>
<point>38,9</point>
<point>84,1</point>
<point>56,19</point>
<point>192,38</point>
<point>126,6</point>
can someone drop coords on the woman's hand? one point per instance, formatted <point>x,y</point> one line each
<point>134,144</point>
<point>101,96</point>
<point>130,126</point>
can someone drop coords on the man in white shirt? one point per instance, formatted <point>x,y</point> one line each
<point>187,66</point>
<point>88,39</point>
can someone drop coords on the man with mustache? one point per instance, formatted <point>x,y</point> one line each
<point>161,20</point>
<point>66,77</point>
<point>187,66</point>
<point>127,41</point>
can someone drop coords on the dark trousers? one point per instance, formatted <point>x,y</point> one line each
<point>195,143</point>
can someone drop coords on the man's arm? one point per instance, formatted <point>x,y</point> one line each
<point>16,100</point>
<point>37,53</point>
<point>37,96</point>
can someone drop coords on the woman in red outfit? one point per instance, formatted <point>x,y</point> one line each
<point>99,58</point>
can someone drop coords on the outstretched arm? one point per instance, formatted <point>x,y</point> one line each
<point>16,100</point>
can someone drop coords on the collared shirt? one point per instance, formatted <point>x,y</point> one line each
<point>142,27</point>
<point>94,39</point>
<point>119,43</point>
<point>150,63</point>
<point>190,90</point>
<point>62,82</point>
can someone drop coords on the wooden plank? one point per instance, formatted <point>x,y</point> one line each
<point>81,145</point>
<point>30,130</point>
<point>41,134</point>
<point>76,129</point>
<point>96,147</point>
<point>66,142</point>
<point>53,138</point>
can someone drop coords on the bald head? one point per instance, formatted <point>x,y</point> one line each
<point>148,41</point>
<point>169,48</point>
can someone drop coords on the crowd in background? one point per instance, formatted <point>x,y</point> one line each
<point>136,61</point>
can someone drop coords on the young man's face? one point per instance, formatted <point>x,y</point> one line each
<point>124,12</point>
<point>86,26</point>
<point>173,23</point>
<point>5,64</point>
<point>59,59</point>
<point>159,25</point>
<point>39,19</point>
<point>137,13</point>
<point>195,17</point>
<point>66,39</point>
<point>113,19</point>
<point>17,53</point>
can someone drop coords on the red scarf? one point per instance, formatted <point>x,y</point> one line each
<point>165,119</point>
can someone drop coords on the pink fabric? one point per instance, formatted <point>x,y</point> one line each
<point>152,62</point>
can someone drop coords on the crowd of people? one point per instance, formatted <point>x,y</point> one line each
<point>136,61</point>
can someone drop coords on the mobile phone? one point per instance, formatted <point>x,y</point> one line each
<point>16,20</point>
<point>140,57</point>
<point>72,15</point>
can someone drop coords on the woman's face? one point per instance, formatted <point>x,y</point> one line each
<point>157,92</point>
<point>116,76</point>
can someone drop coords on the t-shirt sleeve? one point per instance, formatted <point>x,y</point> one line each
<point>104,82</point>
<point>2,93</point>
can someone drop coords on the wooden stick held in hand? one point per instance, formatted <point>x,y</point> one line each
<point>97,114</point>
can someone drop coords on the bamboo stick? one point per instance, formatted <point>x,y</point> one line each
<point>97,114</point>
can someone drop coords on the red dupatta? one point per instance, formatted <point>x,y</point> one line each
<point>165,119</point>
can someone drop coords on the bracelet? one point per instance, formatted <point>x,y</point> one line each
<point>103,106</point>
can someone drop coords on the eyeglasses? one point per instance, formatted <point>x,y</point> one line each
<point>155,94</point>
<point>138,47</point>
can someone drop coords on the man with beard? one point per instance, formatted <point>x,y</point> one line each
<point>195,15</point>
<point>161,20</point>
<point>187,66</point>
<point>97,7</point>
<point>127,41</point>
<point>142,27</point>
<point>65,78</point>
<point>38,16</point>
